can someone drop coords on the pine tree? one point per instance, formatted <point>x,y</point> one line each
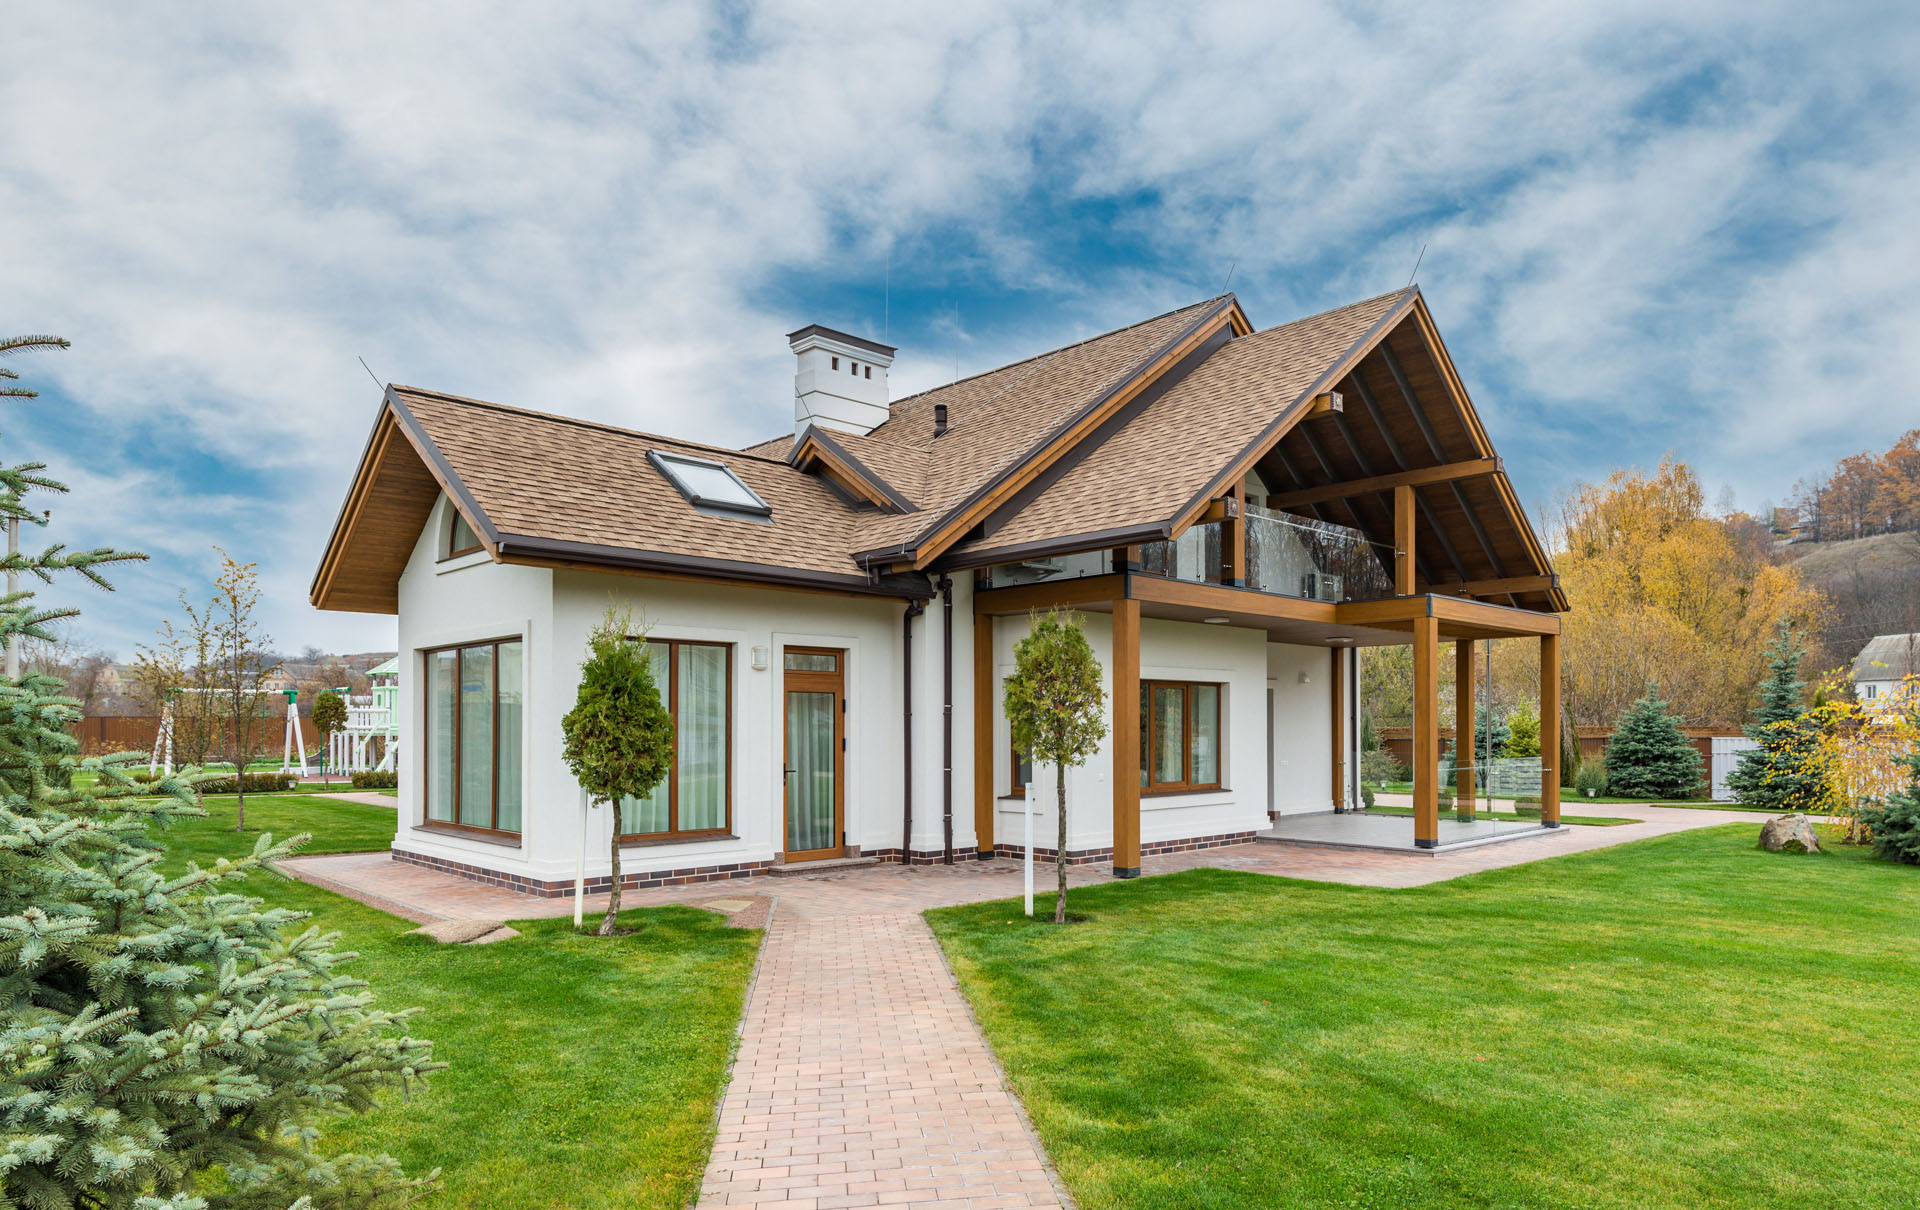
<point>1649,755</point>
<point>1784,772</point>
<point>166,1043</point>
<point>1895,823</point>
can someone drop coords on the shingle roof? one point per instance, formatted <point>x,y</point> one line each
<point>1193,431</point>
<point>1888,657</point>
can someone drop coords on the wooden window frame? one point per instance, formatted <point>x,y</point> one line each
<point>454,520</point>
<point>1149,724</point>
<point>1019,789</point>
<point>670,697</point>
<point>426,738</point>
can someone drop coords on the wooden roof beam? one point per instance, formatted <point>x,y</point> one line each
<point>1473,468</point>
<point>1504,586</point>
<point>1433,443</point>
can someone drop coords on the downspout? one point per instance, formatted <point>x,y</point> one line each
<point>914,610</point>
<point>946,816</point>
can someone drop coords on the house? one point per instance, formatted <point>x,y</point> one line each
<point>1886,673</point>
<point>832,612</point>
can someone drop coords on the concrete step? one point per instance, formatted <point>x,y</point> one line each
<point>824,866</point>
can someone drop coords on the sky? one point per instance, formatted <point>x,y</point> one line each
<point>1646,227</point>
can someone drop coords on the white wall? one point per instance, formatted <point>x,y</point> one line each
<point>1302,728</point>
<point>464,600</point>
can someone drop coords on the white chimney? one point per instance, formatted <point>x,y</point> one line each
<point>840,381</point>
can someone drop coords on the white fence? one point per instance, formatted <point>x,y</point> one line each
<point>1726,758</point>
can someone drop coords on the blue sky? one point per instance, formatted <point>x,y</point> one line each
<point>1648,227</point>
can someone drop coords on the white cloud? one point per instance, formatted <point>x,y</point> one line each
<point>590,208</point>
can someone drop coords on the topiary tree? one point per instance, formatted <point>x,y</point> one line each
<point>1523,732</point>
<point>1779,774</point>
<point>1649,755</point>
<point>329,716</point>
<point>166,1043</point>
<point>1895,823</point>
<point>1055,703</point>
<point>619,736</point>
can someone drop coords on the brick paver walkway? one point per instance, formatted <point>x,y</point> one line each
<point>861,1079</point>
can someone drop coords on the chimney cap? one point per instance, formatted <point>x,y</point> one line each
<point>820,330</point>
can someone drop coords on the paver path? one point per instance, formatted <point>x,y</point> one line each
<point>861,1078</point>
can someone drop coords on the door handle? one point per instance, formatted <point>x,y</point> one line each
<point>786,773</point>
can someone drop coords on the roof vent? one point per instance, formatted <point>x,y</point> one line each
<point>939,419</point>
<point>840,381</point>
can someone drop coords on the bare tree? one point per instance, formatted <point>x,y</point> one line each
<point>242,661</point>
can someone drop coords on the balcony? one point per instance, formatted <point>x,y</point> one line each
<point>1286,556</point>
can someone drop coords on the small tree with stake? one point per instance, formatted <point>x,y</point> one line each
<point>329,715</point>
<point>1055,703</point>
<point>619,736</point>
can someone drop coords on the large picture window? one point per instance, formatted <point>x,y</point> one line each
<point>474,697</point>
<point>696,799</point>
<point>1179,736</point>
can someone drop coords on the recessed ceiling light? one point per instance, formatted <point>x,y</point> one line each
<point>1338,639</point>
<point>1215,621</point>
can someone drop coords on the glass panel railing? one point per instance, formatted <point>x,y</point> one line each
<point>1504,796</point>
<point>1056,567</point>
<point>1314,560</point>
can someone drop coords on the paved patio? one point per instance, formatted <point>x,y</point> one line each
<point>861,1078</point>
<point>1394,833</point>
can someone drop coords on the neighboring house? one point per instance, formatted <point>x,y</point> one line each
<point>833,612</point>
<point>1885,672</point>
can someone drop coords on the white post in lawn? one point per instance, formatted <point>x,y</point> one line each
<point>1026,803</point>
<point>580,866</point>
<point>296,739</point>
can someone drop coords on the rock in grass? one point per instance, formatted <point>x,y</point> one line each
<point>1789,834</point>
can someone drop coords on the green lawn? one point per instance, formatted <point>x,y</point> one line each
<point>1594,821</point>
<point>585,1073</point>
<point>1683,1021</point>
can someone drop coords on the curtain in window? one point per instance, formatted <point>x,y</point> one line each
<point>443,692</point>
<point>810,781</point>
<point>1169,734</point>
<point>643,816</point>
<point>1206,735</point>
<point>511,692</point>
<point>702,764</point>
<point>476,736</point>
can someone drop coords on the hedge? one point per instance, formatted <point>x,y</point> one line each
<point>256,783</point>
<point>376,779</point>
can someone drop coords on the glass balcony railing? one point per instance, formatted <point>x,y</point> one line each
<point>1286,555</point>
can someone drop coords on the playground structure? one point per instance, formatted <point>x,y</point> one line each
<point>293,753</point>
<point>353,749</point>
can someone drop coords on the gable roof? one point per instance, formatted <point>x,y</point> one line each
<point>1888,657</point>
<point>1048,450</point>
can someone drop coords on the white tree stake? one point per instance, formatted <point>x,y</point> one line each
<point>580,866</point>
<point>1026,804</point>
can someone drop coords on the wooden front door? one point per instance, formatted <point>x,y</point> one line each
<point>815,749</point>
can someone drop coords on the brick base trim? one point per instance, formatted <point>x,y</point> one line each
<point>563,888</point>
<point>926,856</point>
<point>1147,849</point>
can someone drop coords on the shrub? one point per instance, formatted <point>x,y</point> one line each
<point>256,783</point>
<point>376,779</point>
<point>1592,775</point>
<point>1378,767</point>
<point>1366,795</point>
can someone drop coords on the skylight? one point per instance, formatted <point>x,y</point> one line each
<point>709,486</point>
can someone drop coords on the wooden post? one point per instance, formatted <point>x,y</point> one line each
<point>1337,691</point>
<point>1403,514</point>
<point>1126,738</point>
<point>1426,732</point>
<point>1233,539</point>
<point>1550,730</point>
<point>983,733</point>
<point>1464,740</point>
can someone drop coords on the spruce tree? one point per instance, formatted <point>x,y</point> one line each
<point>166,1043</point>
<point>1895,823</point>
<point>1781,774</point>
<point>1649,755</point>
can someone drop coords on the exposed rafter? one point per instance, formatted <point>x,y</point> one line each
<point>1471,469</point>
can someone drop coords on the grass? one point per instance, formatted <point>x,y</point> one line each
<point>584,1073</point>
<point>1592,821</point>
<point>1682,1021</point>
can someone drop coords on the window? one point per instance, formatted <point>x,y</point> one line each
<point>1179,736</point>
<point>708,485</point>
<point>474,696</point>
<point>1022,774</point>
<point>836,363</point>
<point>461,540</point>
<point>869,372</point>
<point>853,368</point>
<point>696,683</point>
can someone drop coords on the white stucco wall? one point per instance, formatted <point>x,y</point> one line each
<point>1302,728</point>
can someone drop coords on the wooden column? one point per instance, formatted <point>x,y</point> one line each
<point>1465,752</point>
<point>983,734</point>
<point>1426,732</point>
<point>1233,538</point>
<point>1337,691</point>
<point>1550,730</point>
<point>1126,738</point>
<point>1403,514</point>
